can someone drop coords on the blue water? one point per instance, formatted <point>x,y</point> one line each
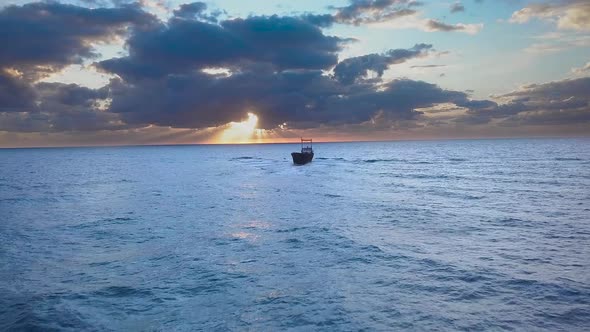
<point>448,235</point>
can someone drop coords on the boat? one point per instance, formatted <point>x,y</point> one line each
<point>306,154</point>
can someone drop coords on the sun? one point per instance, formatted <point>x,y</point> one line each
<point>240,132</point>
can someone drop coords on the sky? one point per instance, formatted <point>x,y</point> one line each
<point>117,72</point>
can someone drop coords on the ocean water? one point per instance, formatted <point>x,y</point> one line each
<point>437,235</point>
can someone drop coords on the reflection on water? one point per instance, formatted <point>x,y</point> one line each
<point>244,235</point>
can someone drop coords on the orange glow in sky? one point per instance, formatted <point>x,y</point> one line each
<point>240,132</point>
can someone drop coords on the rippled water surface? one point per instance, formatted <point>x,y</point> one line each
<point>451,235</point>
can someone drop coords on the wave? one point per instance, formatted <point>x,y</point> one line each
<point>122,291</point>
<point>289,230</point>
<point>244,158</point>
<point>381,160</point>
<point>293,241</point>
<point>370,161</point>
<point>101,223</point>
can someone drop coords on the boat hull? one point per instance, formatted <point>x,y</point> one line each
<point>301,158</point>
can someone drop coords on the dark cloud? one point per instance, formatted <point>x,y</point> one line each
<point>197,10</point>
<point>63,107</point>
<point>553,103</point>
<point>78,120</point>
<point>440,26</point>
<point>428,66</point>
<point>181,45</point>
<point>42,38</point>
<point>283,68</point>
<point>457,7</point>
<point>322,21</point>
<point>15,95</point>
<point>56,35</point>
<point>275,68</point>
<point>24,122</point>
<point>69,95</point>
<point>190,10</point>
<point>371,11</point>
<point>286,42</point>
<point>303,99</point>
<point>352,69</point>
<point>377,11</point>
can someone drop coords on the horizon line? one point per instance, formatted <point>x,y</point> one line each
<point>295,142</point>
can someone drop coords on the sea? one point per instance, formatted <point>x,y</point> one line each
<point>458,235</point>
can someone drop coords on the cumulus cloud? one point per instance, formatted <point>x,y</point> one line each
<point>553,103</point>
<point>43,38</point>
<point>181,45</point>
<point>62,107</point>
<point>197,71</point>
<point>15,94</point>
<point>40,38</point>
<point>302,99</point>
<point>275,65</point>
<point>566,14</point>
<point>353,69</point>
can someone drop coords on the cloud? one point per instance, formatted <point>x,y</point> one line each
<point>582,70</point>
<point>197,10</point>
<point>428,66</point>
<point>566,14</point>
<point>557,42</point>
<point>62,107</point>
<point>303,99</point>
<point>394,14</point>
<point>15,95</point>
<point>433,25</point>
<point>352,69</point>
<point>553,103</point>
<point>457,7</point>
<point>197,71</point>
<point>429,25</point>
<point>273,66</point>
<point>371,11</point>
<point>182,44</point>
<point>190,10</point>
<point>397,14</point>
<point>40,38</point>
<point>542,48</point>
<point>43,38</point>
